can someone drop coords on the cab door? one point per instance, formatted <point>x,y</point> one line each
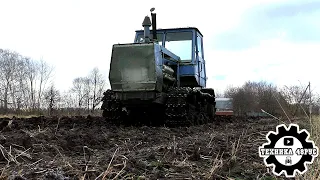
<point>200,62</point>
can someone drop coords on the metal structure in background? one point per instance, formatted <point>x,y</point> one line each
<point>160,78</point>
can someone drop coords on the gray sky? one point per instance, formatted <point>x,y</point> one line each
<point>273,40</point>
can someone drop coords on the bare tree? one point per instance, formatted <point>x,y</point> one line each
<point>239,99</point>
<point>218,94</point>
<point>8,65</point>
<point>254,96</point>
<point>52,96</point>
<point>31,73</point>
<point>79,90</point>
<point>298,99</point>
<point>87,92</point>
<point>45,72</point>
<point>19,77</point>
<point>22,94</point>
<point>98,83</point>
<point>68,101</point>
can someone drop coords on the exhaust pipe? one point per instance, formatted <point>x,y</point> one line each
<point>154,25</point>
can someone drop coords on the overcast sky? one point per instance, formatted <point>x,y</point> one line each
<point>273,40</point>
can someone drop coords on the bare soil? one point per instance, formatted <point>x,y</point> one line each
<point>89,148</point>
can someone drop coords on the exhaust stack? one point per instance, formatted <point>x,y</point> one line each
<point>154,24</point>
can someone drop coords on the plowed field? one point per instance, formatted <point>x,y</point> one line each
<point>90,148</point>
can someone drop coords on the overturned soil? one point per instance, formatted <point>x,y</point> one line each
<point>89,148</point>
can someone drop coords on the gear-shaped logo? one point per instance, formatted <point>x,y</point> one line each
<point>288,150</point>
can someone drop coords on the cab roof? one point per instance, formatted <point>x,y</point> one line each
<point>174,29</point>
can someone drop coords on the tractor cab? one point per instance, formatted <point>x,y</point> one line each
<point>187,44</point>
<point>183,42</point>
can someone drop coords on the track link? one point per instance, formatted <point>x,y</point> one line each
<point>178,110</point>
<point>112,109</point>
<point>184,108</point>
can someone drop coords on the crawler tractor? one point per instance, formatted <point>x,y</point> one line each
<point>159,79</point>
<point>224,109</point>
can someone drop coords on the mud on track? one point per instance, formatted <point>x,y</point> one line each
<point>89,148</point>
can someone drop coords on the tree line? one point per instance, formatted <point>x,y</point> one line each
<point>86,93</point>
<point>27,87</point>
<point>279,101</point>
<point>23,81</point>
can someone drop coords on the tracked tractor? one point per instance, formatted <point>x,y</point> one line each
<point>224,109</point>
<point>159,79</point>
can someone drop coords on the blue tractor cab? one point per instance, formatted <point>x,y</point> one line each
<point>187,44</point>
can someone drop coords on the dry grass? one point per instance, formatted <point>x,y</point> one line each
<point>313,172</point>
<point>17,116</point>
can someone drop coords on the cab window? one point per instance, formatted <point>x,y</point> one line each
<point>180,43</point>
<point>199,45</point>
<point>140,38</point>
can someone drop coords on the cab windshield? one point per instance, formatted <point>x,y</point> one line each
<point>224,104</point>
<point>179,43</point>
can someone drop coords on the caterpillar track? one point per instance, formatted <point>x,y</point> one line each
<point>184,106</point>
<point>111,107</point>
